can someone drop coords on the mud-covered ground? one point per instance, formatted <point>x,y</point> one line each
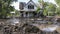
<point>22,28</point>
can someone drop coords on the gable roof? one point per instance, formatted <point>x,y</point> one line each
<point>32,2</point>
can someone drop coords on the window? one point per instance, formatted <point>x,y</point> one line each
<point>30,6</point>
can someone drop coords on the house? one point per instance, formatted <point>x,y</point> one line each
<point>28,9</point>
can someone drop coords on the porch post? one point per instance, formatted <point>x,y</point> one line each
<point>28,14</point>
<point>24,15</point>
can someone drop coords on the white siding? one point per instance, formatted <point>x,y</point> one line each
<point>26,7</point>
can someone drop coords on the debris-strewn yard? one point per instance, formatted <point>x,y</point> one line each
<point>25,28</point>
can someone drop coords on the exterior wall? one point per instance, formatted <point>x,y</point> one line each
<point>35,8</point>
<point>29,14</point>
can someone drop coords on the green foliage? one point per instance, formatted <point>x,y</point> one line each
<point>51,8</point>
<point>45,12</point>
<point>48,8</point>
<point>17,13</point>
<point>58,2</point>
<point>58,8</point>
<point>38,9</point>
<point>6,8</point>
<point>58,11</point>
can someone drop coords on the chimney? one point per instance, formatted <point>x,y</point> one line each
<point>21,5</point>
<point>30,0</point>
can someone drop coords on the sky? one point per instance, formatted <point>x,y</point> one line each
<point>16,4</point>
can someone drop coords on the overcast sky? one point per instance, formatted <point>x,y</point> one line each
<point>16,5</point>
